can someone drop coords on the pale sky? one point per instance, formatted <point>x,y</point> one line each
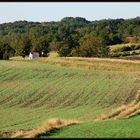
<point>55,11</point>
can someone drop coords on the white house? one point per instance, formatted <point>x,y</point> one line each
<point>33,55</point>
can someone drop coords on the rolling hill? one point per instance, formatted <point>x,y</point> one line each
<point>33,92</point>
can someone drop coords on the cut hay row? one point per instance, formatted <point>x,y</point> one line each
<point>106,64</point>
<point>124,111</point>
<point>43,128</point>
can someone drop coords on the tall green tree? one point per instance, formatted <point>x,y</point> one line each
<point>20,43</point>
<point>5,49</point>
<point>64,50</point>
<point>92,46</point>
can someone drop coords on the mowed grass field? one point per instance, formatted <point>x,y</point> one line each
<point>102,129</point>
<point>32,92</point>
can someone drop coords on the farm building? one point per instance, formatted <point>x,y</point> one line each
<point>129,38</point>
<point>33,55</point>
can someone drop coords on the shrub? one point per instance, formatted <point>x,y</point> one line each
<point>46,55</point>
<point>132,47</point>
<point>125,54</point>
<point>75,52</point>
<point>23,55</point>
<point>1,55</point>
<point>115,54</point>
<point>133,53</point>
<point>6,56</point>
<point>64,50</point>
<point>114,49</point>
<point>137,47</point>
<point>126,48</point>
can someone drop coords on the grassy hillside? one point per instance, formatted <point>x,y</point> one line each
<point>32,92</point>
<point>121,50</point>
<point>119,47</point>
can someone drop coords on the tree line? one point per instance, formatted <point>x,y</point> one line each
<point>69,37</point>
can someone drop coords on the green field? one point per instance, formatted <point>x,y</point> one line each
<point>106,129</point>
<point>32,92</point>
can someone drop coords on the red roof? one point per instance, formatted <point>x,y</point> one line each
<point>35,53</point>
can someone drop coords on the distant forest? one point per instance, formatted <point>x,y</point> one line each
<point>69,37</point>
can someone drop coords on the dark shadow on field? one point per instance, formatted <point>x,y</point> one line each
<point>52,132</point>
<point>49,133</point>
<point>134,115</point>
